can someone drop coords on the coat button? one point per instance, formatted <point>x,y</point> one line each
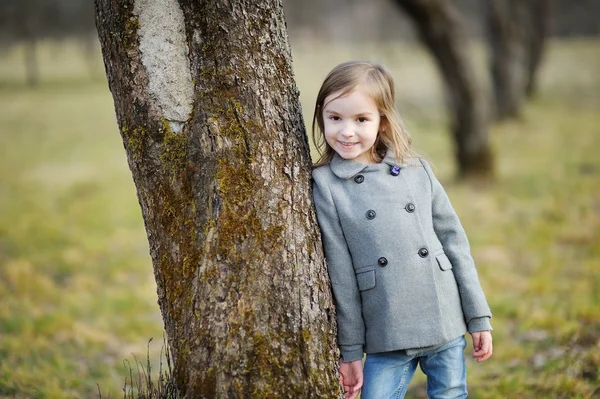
<point>359,179</point>
<point>382,262</point>
<point>371,214</point>
<point>423,252</point>
<point>395,171</point>
<point>410,208</point>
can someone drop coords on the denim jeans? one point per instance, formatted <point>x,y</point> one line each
<point>386,375</point>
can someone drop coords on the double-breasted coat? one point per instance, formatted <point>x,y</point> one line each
<point>398,258</point>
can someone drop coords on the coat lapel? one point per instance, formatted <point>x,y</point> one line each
<point>345,168</point>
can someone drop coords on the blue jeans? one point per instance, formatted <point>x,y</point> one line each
<point>386,375</point>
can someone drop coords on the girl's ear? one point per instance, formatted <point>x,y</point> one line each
<point>383,124</point>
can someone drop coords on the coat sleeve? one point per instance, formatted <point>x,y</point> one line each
<point>451,234</point>
<point>350,324</point>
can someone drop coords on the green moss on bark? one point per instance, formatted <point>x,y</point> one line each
<point>130,32</point>
<point>136,140</point>
<point>174,151</point>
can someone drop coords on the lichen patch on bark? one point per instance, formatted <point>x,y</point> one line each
<point>165,56</point>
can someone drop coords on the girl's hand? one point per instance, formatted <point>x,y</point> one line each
<point>351,378</point>
<point>482,345</point>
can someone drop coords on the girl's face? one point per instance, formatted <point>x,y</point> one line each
<point>351,124</point>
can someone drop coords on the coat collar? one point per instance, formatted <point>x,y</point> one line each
<point>347,168</point>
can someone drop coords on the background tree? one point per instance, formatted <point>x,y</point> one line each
<point>25,21</point>
<point>210,119</point>
<point>441,30</point>
<point>516,36</point>
<point>539,31</point>
<point>31,21</point>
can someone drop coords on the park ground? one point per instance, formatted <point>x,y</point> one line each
<point>78,304</point>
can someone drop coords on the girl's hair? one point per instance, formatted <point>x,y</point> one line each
<point>377,82</point>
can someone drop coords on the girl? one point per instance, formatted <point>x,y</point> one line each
<point>404,282</point>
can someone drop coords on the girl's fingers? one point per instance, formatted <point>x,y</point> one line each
<point>484,353</point>
<point>476,341</point>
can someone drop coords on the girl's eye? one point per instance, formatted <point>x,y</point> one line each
<point>362,119</point>
<point>334,118</point>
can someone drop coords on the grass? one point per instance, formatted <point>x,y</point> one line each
<point>77,291</point>
<point>535,237</point>
<point>76,285</point>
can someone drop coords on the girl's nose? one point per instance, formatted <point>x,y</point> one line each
<point>347,131</point>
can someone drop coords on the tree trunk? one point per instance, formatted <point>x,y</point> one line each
<point>210,119</point>
<point>88,43</point>
<point>440,29</point>
<point>28,16</point>
<point>516,37</point>
<point>539,29</point>
<point>32,74</point>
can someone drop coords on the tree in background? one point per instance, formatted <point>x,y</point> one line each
<point>30,21</point>
<point>22,21</point>
<point>210,119</point>
<point>539,12</point>
<point>517,31</point>
<point>441,30</point>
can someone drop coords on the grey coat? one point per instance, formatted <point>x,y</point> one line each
<point>398,258</point>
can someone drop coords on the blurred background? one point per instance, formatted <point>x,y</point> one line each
<point>78,301</point>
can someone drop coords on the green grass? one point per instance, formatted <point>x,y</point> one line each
<point>77,294</point>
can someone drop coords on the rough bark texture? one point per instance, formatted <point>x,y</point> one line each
<point>516,35</point>
<point>221,164</point>
<point>440,29</point>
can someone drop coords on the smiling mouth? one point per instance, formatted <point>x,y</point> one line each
<point>346,143</point>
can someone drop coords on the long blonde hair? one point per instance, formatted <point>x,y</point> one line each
<point>378,84</point>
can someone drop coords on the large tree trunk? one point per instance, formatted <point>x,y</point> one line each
<point>210,119</point>
<point>516,36</point>
<point>440,29</point>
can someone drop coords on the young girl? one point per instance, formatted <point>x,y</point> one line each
<point>404,282</point>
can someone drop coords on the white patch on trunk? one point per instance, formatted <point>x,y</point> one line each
<point>164,53</point>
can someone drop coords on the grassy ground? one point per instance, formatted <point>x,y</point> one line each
<point>76,285</point>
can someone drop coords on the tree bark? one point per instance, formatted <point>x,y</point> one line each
<point>210,119</point>
<point>440,29</point>
<point>516,36</point>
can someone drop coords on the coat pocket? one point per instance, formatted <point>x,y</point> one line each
<point>365,277</point>
<point>443,262</point>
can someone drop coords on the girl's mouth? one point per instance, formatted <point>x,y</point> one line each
<point>346,144</point>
